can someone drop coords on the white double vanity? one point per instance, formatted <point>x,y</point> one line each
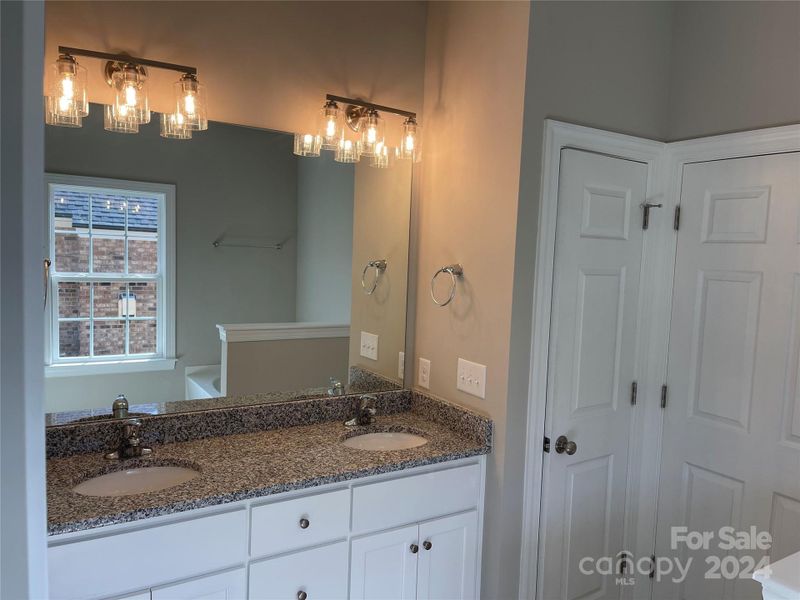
<point>411,534</point>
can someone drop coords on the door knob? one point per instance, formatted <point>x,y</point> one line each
<point>414,548</point>
<point>564,445</point>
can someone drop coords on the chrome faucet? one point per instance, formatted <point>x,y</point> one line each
<point>131,444</point>
<point>337,387</point>
<point>366,412</point>
<point>119,410</point>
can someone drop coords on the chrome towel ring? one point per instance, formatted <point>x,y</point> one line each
<point>380,267</point>
<point>454,271</point>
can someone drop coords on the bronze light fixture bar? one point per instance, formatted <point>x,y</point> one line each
<point>124,58</point>
<point>363,106</point>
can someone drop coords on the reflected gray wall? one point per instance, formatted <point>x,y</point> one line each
<point>324,239</point>
<point>229,179</point>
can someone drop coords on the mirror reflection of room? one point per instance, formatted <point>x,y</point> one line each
<point>224,265</point>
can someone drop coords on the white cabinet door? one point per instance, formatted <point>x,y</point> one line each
<point>145,595</point>
<point>230,585</point>
<point>318,574</point>
<point>384,565</point>
<point>448,558</point>
<point>592,367</point>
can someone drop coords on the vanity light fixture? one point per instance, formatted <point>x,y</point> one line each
<point>363,118</point>
<point>330,125</point>
<point>410,144</point>
<point>66,102</point>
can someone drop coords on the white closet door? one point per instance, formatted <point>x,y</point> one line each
<point>592,366</point>
<point>731,445</point>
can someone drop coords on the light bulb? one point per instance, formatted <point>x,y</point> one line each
<point>329,126</point>
<point>411,143</point>
<point>130,94</point>
<point>66,102</point>
<point>306,144</point>
<point>191,102</point>
<point>372,132</point>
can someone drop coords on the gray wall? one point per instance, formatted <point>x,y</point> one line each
<point>601,64</point>
<point>324,239</point>
<point>735,66</point>
<point>232,180</point>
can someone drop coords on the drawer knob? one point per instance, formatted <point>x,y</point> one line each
<point>414,548</point>
<point>301,595</point>
<point>304,523</point>
<point>427,545</point>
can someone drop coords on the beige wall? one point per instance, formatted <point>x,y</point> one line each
<point>474,86</point>
<point>735,66</point>
<point>267,64</point>
<point>283,365</point>
<point>382,210</point>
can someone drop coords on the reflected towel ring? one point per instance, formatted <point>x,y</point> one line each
<point>380,267</point>
<point>452,270</point>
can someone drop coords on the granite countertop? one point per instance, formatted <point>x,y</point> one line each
<point>239,466</point>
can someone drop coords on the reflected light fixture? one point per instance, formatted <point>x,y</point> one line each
<point>112,123</point>
<point>172,127</point>
<point>191,103</point>
<point>330,125</point>
<point>307,144</point>
<point>382,157</point>
<point>66,103</point>
<point>410,144</point>
<point>347,151</point>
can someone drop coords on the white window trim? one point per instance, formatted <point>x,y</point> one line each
<point>166,359</point>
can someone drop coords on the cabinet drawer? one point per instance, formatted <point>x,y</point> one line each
<point>321,573</point>
<point>300,522</point>
<point>415,498</point>
<point>91,568</point>
<point>230,585</point>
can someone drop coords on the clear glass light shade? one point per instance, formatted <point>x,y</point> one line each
<point>306,144</point>
<point>411,142</point>
<point>172,126</point>
<point>329,127</point>
<point>382,158</point>
<point>130,95</point>
<point>112,123</point>
<point>191,102</point>
<point>347,151</point>
<point>373,132</point>
<point>66,102</point>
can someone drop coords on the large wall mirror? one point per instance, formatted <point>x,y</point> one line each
<point>185,271</point>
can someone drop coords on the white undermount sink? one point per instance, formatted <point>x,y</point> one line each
<point>137,480</point>
<point>385,440</point>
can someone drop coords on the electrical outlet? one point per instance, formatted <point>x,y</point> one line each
<point>471,378</point>
<point>369,345</point>
<point>401,365</point>
<point>425,373</point>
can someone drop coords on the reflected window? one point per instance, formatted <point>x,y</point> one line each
<point>110,287</point>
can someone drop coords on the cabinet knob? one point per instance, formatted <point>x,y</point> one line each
<point>304,523</point>
<point>414,548</point>
<point>301,595</point>
<point>427,545</point>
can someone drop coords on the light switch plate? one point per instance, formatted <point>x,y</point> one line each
<point>369,345</point>
<point>425,373</point>
<point>401,365</point>
<point>471,378</point>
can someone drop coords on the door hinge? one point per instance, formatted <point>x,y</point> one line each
<point>652,566</point>
<point>676,221</point>
<point>646,206</point>
<point>634,391</point>
<point>546,446</point>
<point>664,396</point>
